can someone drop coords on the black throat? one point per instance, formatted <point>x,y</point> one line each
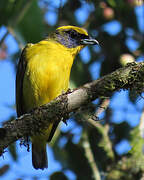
<point>69,38</point>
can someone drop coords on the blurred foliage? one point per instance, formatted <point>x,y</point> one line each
<point>26,22</point>
<point>4,169</point>
<point>58,175</point>
<point>33,14</point>
<point>12,150</point>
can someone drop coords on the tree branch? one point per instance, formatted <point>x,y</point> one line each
<point>90,157</point>
<point>128,77</point>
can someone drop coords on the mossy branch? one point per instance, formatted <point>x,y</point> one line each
<point>128,77</point>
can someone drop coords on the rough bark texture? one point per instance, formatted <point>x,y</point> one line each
<point>128,77</point>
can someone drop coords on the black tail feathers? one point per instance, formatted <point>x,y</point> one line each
<point>39,156</point>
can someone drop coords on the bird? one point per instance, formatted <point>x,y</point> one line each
<point>43,73</point>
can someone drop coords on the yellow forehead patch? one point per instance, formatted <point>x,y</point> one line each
<point>78,29</point>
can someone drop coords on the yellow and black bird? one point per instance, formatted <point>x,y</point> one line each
<point>43,74</point>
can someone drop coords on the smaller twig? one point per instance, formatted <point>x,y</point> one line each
<point>3,38</point>
<point>22,13</point>
<point>90,157</point>
<point>104,129</point>
<point>103,106</point>
<point>88,116</point>
<point>93,120</point>
<point>12,32</point>
<point>89,20</point>
<point>12,24</point>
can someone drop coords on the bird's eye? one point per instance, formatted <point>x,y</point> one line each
<point>73,34</point>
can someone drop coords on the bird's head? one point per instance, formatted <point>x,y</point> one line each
<point>73,38</point>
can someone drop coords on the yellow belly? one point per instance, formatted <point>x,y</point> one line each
<point>46,77</point>
<point>47,74</point>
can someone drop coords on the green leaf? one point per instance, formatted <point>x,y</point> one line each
<point>112,3</point>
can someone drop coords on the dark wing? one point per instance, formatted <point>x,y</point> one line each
<point>19,83</point>
<point>19,89</point>
<point>55,125</point>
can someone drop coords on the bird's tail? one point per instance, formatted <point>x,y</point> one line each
<point>39,155</point>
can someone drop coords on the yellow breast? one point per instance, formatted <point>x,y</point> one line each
<point>47,73</point>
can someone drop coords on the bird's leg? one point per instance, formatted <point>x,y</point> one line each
<point>25,141</point>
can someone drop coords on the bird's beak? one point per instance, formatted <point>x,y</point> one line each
<point>89,41</point>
